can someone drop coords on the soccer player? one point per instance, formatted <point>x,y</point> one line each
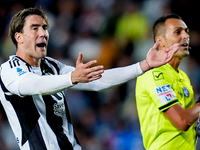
<point>164,95</point>
<point>32,84</point>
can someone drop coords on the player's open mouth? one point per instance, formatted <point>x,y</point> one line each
<point>41,45</point>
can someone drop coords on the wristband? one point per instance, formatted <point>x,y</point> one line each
<point>148,64</point>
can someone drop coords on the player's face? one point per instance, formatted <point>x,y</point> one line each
<point>177,32</point>
<point>35,37</point>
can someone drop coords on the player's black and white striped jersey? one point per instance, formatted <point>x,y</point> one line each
<point>35,104</point>
<point>39,122</point>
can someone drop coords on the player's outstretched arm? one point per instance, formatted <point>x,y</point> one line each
<point>156,58</point>
<point>86,72</point>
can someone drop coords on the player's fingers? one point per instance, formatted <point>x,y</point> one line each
<point>174,48</point>
<point>96,68</point>
<point>79,59</point>
<point>94,78</point>
<point>95,73</point>
<point>172,51</point>
<point>90,63</point>
<point>156,45</point>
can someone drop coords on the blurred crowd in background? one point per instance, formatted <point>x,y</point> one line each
<point>116,33</point>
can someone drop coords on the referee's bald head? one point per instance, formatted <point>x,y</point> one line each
<point>159,25</point>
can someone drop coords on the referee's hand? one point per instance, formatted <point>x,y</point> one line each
<point>86,72</point>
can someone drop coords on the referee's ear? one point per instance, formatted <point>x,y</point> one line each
<point>160,39</point>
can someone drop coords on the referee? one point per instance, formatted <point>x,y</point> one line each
<point>32,84</point>
<point>165,96</point>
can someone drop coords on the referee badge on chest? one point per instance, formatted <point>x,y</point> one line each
<point>186,92</point>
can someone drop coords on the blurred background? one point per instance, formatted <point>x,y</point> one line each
<point>116,33</point>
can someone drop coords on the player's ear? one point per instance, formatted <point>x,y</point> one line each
<point>161,40</point>
<point>19,37</point>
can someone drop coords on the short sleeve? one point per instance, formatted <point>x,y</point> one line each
<point>163,93</point>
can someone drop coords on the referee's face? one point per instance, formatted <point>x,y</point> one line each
<point>177,32</point>
<point>34,38</point>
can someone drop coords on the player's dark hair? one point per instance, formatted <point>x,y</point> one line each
<point>18,20</point>
<point>160,22</point>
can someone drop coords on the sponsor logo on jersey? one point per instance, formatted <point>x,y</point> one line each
<point>169,97</point>
<point>158,75</point>
<point>59,105</point>
<point>20,71</point>
<point>165,93</point>
<point>59,109</point>
<point>186,92</point>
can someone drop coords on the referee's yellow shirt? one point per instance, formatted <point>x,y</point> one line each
<point>156,91</point>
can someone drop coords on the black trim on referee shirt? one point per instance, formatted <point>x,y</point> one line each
<point>167,105</point>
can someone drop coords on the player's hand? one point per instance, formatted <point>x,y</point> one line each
<point>86,72</point>
<point>157,58</point>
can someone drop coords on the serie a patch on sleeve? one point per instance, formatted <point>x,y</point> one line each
<point>165,93</point>
<point>20,71</point>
